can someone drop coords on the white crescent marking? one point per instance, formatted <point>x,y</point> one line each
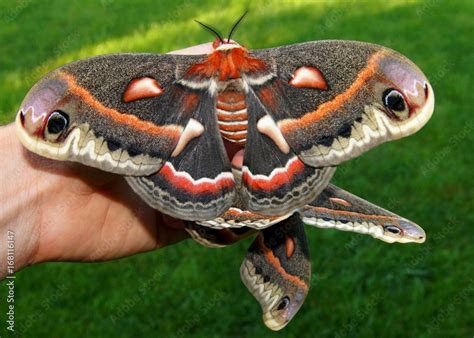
<point>274,172</point>
<point>268,127</point>
<point>193,129</point>
<point>190,179</point>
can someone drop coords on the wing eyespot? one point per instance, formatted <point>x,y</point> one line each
<point>283,304</point>
<point>57,123</point>
<point>395,104</point>
<point>393,230</point>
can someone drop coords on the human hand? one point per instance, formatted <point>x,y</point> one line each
<point>64,211</point>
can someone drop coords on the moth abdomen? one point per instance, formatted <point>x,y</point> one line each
<point>232,118</point>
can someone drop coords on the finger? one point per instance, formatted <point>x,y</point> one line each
<point>172,222</point>
<point>169,230</point>
<point>168,236</point>
<point>204,48</point>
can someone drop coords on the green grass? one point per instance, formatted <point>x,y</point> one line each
<point>362,287</point>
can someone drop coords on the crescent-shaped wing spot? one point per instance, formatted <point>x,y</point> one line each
<point>308,77</point>
<point>289,246</point>
<point>193,129</point>
<point>340,201</point>
<point>172,131</point>
<point>276,263</point>
<point>141,88</point>
<point>290,125</point>
<point>268,127</point>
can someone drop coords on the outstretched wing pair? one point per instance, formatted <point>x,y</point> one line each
<point>277,267</point>
<point>154,118</point>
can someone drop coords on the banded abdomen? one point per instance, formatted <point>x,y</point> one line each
<point>231,111</point>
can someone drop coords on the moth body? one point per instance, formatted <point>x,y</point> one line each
<point>231,112</point>
<point>224,68</point>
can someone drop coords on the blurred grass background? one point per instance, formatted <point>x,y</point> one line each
<point>361,287</point>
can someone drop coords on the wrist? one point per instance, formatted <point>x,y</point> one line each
<point>19,236</point>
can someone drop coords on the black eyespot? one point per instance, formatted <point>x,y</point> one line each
<point>393,100</point>
<point>284,302</point>
<point>393,230</point>
<point>57,122</point>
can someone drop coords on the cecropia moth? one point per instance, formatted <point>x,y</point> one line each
<point>293,113</point>
<point>238,139</point>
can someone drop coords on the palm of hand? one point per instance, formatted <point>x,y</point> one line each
<point>87,215</point>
